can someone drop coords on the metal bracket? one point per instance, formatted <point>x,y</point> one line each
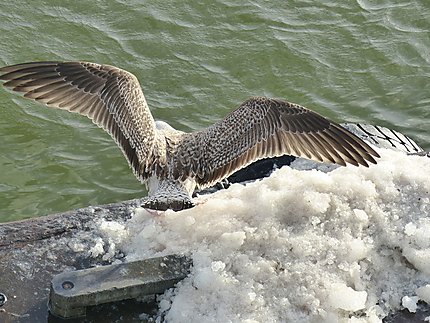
<point>72,292</point>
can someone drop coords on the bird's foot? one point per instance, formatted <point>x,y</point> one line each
<point>200,201</point>
<point>223,184</point>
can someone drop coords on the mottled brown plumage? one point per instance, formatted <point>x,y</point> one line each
<point>172,162</point>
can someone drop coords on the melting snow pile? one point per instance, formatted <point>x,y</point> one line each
<point>300,246</point>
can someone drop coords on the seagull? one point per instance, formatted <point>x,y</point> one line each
<point>174,163</point>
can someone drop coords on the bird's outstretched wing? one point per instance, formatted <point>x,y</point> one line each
<point>111,97</point>
<point>263,127</point>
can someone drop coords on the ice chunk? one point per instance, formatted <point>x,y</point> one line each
<point>345,298</point>
<point>424,293</point>
<point>410,229</point>
<point>410,303</point>
<point>357,249</point>
<point>419,258</point>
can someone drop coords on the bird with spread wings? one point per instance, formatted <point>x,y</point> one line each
<point>173,163</point>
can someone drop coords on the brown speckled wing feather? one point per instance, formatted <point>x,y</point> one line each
<point>263,127</point>
<point>110,97</point>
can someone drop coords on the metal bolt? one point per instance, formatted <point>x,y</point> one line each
<point>3,299</point>
<point>67,285</point>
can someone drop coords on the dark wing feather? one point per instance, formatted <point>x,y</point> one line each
<point>261,128</point>
<point>110,97</point>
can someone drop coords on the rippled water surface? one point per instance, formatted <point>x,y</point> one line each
<point>357,61</point>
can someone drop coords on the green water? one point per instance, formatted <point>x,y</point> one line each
<point>358,61</point>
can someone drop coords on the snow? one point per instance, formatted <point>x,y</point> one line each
<point>97,249</point>
<point>349,245</point>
